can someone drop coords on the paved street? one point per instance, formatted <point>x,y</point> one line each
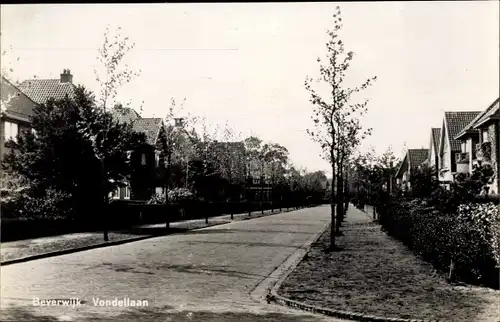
<point>203,275</point>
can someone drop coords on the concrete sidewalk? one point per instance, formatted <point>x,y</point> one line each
<point>30,249</point>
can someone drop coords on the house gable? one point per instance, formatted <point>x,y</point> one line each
<point>15,104</point>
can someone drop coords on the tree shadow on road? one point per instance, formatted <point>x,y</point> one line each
<point>158,314</point>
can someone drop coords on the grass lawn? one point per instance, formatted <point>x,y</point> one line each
<point>375,274</point>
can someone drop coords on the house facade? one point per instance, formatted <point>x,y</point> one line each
<point>413,159</point>
<point>480,142</point>
<point>449,146</point>
<point>147,161</point>
<point>19,101</point>
<point>15,114</point>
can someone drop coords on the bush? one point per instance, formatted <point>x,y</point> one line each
<point>52,205</point>
<point>176,195</point>
<point>470,238</point>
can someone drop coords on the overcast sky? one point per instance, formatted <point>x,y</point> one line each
<point>246,63</point>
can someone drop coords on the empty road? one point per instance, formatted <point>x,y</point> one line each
<point>213,274</point>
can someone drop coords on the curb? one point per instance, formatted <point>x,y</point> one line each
<point>261,293</point>
<point>112,243</point>
<point>273,296</point>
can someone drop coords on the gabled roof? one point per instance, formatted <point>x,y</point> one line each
<point>416,157</point>
<point>456,122</point>
<point>413,159</point>
<point>492,111</point>
<point>12,101</point>
<point>436,132</point>
<point>40,90</point>
<point>125,114</point>
<point>150,126</point>
<point>479,119</point>
<point>403,165</point>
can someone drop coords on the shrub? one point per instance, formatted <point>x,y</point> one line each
<point>176,195</point>
<point>470,237</point>
<point>52,205</point>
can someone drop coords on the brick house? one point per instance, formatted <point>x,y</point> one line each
<point>479,142</point>
<point>412,160</point>
<point>147,160</point>
<point>453,123</point>
<point>23,98</point>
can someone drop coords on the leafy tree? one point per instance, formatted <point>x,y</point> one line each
<point>60,157</point>
<point>333,114</point>
<point>275,157</point>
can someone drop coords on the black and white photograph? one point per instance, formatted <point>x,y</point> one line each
<point>250,161</point>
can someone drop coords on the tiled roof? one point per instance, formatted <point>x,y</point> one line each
<point>455,123</point>
<point>149,126</point>
<point>436,134</point>
<point>481,117</point>
<point>40,90</point>
<point>417,156</point>
<point>125,115</point>
<point>489,112</point>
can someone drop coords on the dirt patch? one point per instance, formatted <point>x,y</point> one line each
<point>376,275</point>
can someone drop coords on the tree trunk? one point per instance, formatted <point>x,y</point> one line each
<point>333,199</point>
<point>167,186</point>
<point>346,193</point>
<point>450,274</point>
<point>104,201</point>
<point>339,199</point>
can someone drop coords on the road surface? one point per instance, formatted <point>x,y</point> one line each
<point>213,274</point>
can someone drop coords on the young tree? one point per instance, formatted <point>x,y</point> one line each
<point>332,110</point>
<point>113,76</point>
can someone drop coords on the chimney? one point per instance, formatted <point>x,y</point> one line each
<point>66,76</point>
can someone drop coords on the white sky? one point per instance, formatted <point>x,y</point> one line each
<point>246,63</point>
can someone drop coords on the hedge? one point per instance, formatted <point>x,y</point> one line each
<point>467,238</point>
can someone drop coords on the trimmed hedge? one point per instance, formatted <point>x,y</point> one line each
<point>124,214</point>
<point>438,238</point>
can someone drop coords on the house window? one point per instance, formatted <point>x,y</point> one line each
<point>157,159</point>
<point>464,147</point>
<point>143,159</point>
<point>127,193</point>
<point>11,131</point>
<point>485,135</point>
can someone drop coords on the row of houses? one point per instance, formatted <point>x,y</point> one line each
<point>147,161</point>
<point>464,140</point>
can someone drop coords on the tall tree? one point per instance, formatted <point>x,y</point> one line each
<point>331,109</point>
<point>275,157</point>
<point>59,156</point>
